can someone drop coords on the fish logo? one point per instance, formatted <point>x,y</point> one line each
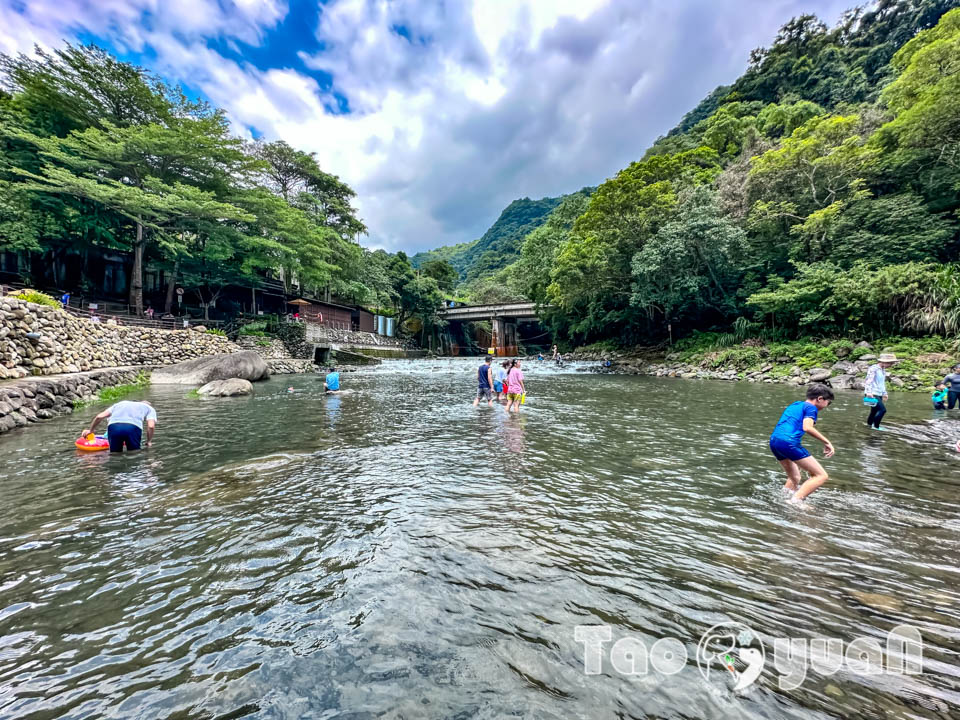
<point>735,647</point>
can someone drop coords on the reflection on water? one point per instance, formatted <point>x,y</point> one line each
<point>395,551</point>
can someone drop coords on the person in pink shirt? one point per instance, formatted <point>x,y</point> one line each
<point>517,387</point>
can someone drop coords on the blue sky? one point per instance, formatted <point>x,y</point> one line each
<point>437,113</point>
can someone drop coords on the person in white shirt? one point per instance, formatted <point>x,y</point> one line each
<point>127,419</point>
<point>875,390</point>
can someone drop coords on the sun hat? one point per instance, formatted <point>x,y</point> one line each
<point>887,357</point>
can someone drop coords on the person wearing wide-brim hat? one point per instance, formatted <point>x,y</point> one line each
<point>875,390</point>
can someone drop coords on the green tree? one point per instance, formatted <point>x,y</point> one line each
<point>590,282</point>
<point>443,272</point>
<point>692,264</point>
<point>925,99</point>
<point>539,252</point>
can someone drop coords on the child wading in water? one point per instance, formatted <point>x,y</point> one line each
<point>517,388</point>
<point>799,418</point>
<point>499,381</point>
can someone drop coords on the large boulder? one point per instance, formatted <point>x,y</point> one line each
<point>843,382</point>
<point>226,388</point>
<point>247,365</point>
<point>844,367</point>
<point>819,374</point>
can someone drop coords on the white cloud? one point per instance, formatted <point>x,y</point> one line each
<point>456,108</point>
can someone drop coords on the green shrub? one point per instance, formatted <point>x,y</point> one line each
<point>600,347</point>
<point>215,331</point>
<point>263,343</point>
<point>739,357</point>
<point>112,394</point>
<point>841,345</point>
<point>37,298</point>
<point>256,328</point>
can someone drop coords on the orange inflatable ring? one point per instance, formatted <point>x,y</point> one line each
<point>97,443</point>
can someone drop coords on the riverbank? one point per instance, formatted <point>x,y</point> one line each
<point>29,400</point>
<point>841,363</point>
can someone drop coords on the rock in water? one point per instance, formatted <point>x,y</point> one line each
<point>819,374</point>
<point>226,388</point>
<point>247,365</point>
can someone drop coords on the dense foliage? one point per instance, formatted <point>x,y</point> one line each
<point>100,155</point>
<point>817,194</point>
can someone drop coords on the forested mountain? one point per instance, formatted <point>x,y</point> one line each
<point>500,244</point>
<point>816,194</point>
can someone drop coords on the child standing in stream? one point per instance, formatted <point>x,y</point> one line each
<point>799,418</point>
<point>517,388</point>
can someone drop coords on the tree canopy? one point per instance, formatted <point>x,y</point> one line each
<point>99,154</point>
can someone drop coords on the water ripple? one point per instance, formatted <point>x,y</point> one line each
<point>396,552</point>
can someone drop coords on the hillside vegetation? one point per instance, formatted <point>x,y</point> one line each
<point>816,195</point>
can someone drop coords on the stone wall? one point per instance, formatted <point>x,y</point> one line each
<point>42,340</point>
<point>290,366</point>
<point>25,401</point>
<point>269,348</point>
<point>318,334</point>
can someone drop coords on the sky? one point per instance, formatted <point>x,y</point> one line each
<point>438,113</point>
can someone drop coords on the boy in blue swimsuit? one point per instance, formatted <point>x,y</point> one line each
<point>799,418</point>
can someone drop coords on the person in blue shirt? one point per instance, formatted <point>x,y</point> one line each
<point>939,397</point>
<point>485,383</point>
<point>331,383</point>
<point>799,418</point>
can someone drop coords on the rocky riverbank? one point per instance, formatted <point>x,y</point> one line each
<point>43,340</point>
<point>840,363</point>
<point>28,400</point>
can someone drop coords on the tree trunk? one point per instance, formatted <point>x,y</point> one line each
<point>136,273</point>
<point>171,286</point>
<point>253,301</point>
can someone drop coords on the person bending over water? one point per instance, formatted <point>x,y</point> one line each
<point>127,419</point>
<point>799,418</point>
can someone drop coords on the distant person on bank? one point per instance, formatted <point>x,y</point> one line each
<point>125,428</point>
<point>952,382</point>
<point>331,383</point>
<point>484,383</point>
<point>875,390</point>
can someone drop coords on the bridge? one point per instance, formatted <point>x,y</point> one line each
<point>503,318</point>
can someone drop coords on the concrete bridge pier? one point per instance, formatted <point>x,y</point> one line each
<point>503,319</point>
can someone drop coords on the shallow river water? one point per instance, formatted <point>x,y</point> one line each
<point>397,553</point>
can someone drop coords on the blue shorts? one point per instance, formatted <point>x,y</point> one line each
<point>120,434</point>
<point>497,386</point>
<point>784,450</point>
